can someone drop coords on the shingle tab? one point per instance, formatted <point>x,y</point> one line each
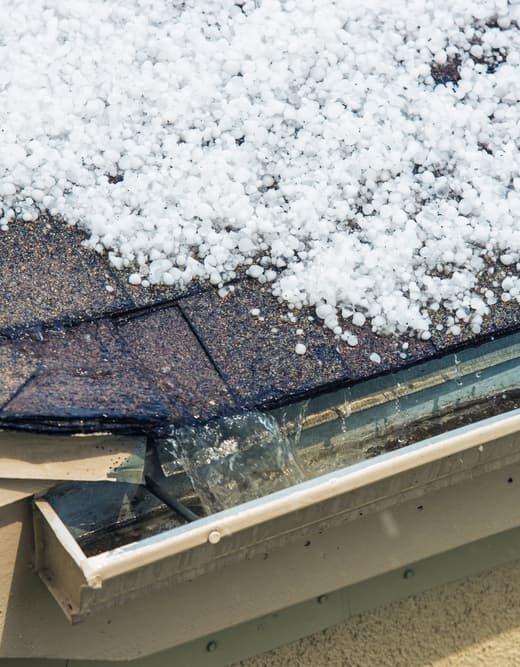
<point>256,353</point>
<point>86,378</point>
<point>167,349</point>
<point>47,275</point>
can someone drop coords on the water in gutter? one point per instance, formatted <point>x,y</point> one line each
<point>235,459</point>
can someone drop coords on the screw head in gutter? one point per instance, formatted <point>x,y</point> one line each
<point>214,537</point>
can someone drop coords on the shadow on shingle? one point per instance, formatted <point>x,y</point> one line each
<point>47,276</point>
<point>256,353</point>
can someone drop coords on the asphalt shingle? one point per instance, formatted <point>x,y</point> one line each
<point>174,360</point>
<point>85,378</point>
<point>503,318</point>
<point>48,276</point>
<point>256,353</point>
<point>15,369</point>
<point>152,364</point>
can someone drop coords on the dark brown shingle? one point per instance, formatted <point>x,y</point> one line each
<point>86,377</point>
<point>15,369</point>
<point>164,345</point>
<point>256,353</point>
<point>46,276</point>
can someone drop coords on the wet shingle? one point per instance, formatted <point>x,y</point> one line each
<point>86,377</point>
<point>256,352</point>
<point>503,318</point>
<point>46,275</point>
<point>394,352</point>
<point>167,349</point>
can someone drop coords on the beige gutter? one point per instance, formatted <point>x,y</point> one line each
<point>82,585</point>
<point>126,559</point>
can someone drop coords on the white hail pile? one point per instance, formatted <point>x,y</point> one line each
<point>303,139</point>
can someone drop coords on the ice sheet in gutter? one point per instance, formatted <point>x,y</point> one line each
<point>248,456</point>
<point>106,515</point>
<point>235,459</point>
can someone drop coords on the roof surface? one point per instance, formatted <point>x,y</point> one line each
<point>76,356</point>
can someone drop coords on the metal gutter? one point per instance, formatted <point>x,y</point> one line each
<point>268,632</point>
<point>271,522</point>
<point>299,497</point>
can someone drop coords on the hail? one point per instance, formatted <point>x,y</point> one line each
<point>362,158</point>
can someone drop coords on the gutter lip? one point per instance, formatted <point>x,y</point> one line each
<point>128,558</point>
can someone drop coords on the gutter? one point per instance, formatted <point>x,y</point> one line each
<point>342,499</point>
